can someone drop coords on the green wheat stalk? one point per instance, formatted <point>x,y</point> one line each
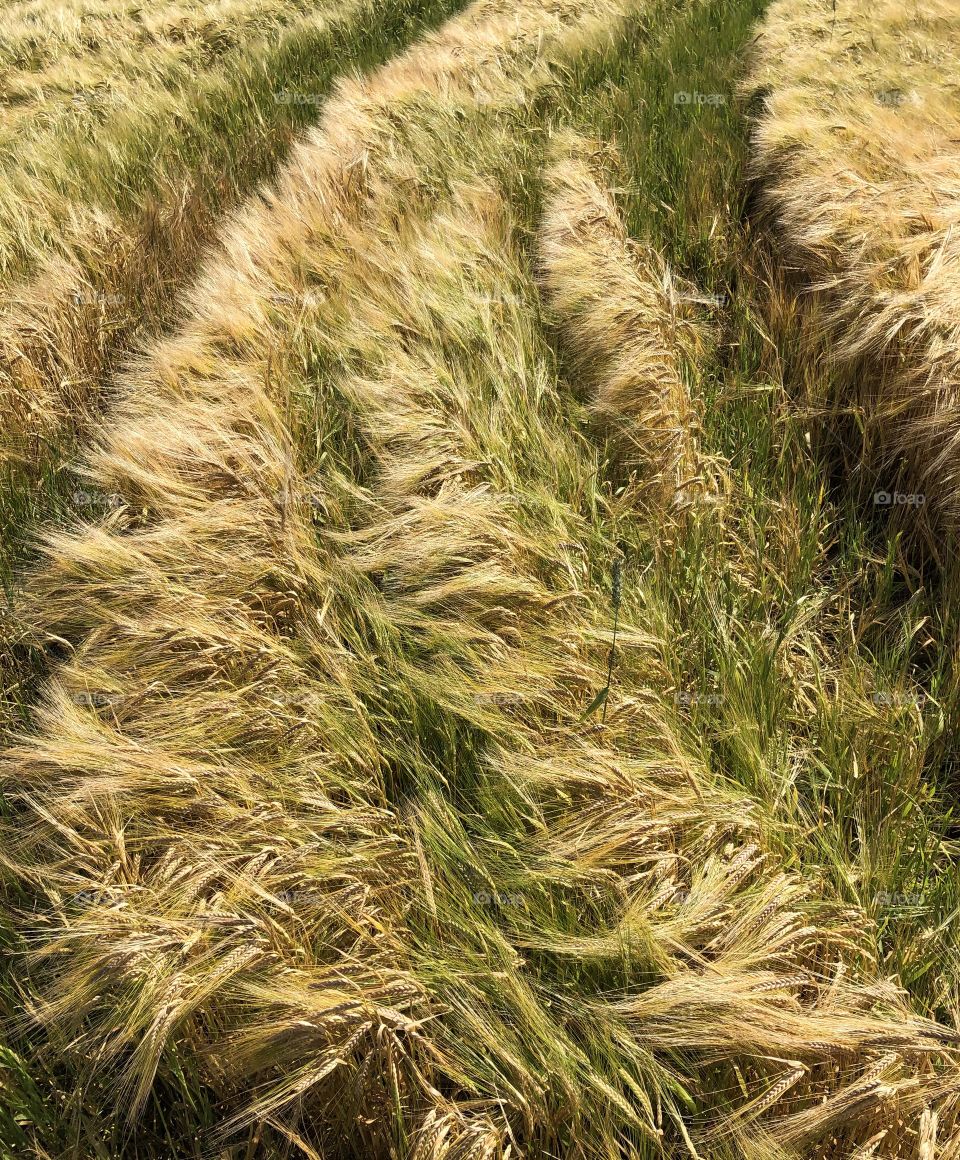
<point>616,592</point>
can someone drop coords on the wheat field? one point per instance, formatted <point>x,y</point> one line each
<point>476,516</point>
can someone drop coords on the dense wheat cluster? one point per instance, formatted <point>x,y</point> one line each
<point>620,308</point>
<point>858,156</point>
<point>450,708</point>
<point>130,135</point>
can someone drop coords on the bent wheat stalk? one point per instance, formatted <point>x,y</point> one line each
<point>620,326</point>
